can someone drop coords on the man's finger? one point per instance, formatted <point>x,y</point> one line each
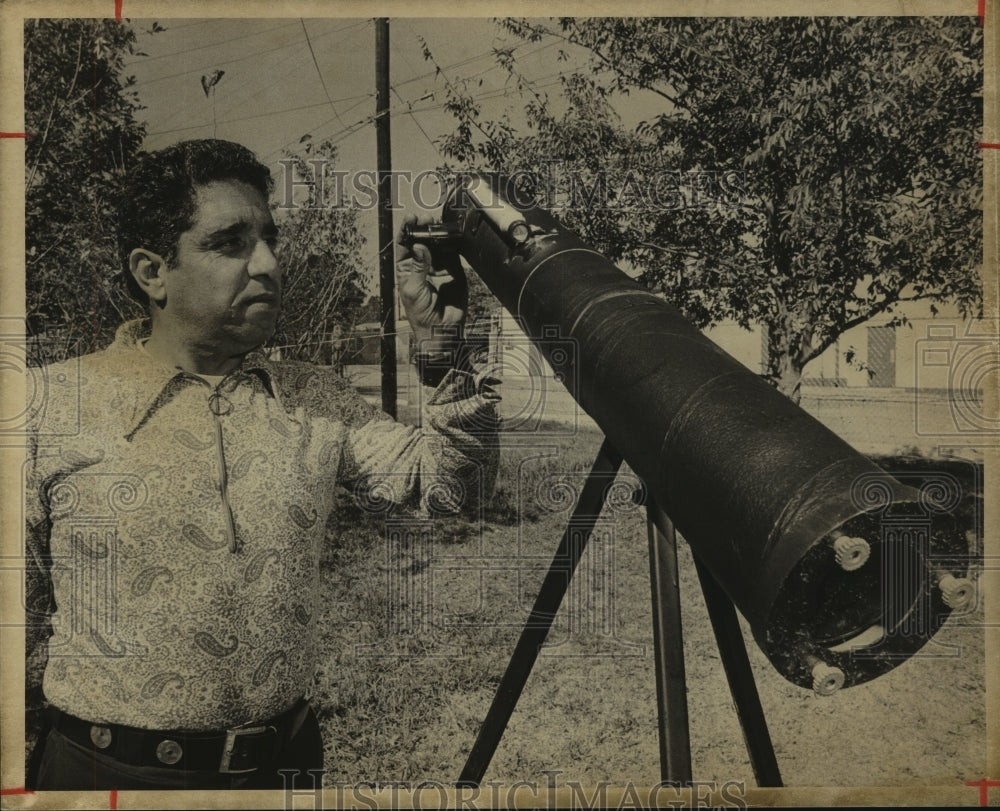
<point>422,255</point>
<point>402,251</point>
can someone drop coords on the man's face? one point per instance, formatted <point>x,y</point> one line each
<point>224,289</point>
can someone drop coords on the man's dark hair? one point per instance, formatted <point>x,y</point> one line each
<point>158,195</point>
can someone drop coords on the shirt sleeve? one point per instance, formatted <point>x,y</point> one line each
<point>446,465</point>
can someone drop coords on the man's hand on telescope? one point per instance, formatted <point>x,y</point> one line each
<point>434,292</point>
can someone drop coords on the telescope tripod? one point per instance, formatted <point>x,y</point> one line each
<point>671,685</point>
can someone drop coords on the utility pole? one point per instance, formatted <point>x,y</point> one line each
<point>386,258</point>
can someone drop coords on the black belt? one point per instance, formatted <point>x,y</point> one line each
<point>242,749</point>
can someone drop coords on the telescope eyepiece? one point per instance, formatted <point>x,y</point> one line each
<point>430,234</point>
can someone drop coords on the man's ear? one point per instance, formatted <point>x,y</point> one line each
<point>147,269</point>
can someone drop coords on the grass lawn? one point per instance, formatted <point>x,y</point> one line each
<point>422,617</point>
<point>420,629</point>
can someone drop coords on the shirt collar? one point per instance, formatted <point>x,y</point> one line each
<point>155,382</point>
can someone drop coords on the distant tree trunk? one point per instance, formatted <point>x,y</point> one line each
<point>785,360</point>
<point>787,377</point>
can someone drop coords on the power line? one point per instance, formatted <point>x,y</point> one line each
<point>261,115</point>
<point>468,60</point>
<point>169,26</point>
<point>352,127</point>
<point>322,81</point>
<point>278,72</point>
<point>255,55</point>
<point>489,94</point>
<point>346,130</point>
<point>412,117</point>
<point>277,77</point>
<point>145,59</point>
<point>449,85</point>
<point>343,134</point>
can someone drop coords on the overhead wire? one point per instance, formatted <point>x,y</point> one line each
<point>322,81</point>
<point>168,25</point>
<point>413,118</point>
<point>277,73</point>
<point>257,115</point>
<point>347,130</point>
<point>254,55</point>
<point>146,59</point>
<point>290,65</point>
<point>341,135</point>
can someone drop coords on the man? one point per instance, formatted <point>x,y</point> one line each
<point>180,482</point>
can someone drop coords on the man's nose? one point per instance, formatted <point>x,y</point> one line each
<point>263,262</point>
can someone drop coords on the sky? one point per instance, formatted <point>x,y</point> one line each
<point>285,78</point>
<point>275,89</point>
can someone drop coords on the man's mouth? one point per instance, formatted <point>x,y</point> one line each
<point>263,298</point>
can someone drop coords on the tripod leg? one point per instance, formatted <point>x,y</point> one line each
<point>543,613</point>
<point>736,663</point>
<point>668,644</point>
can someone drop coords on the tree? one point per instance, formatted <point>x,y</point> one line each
<point>320,250</point>
<point>80,114</point>
<point>804,174</point>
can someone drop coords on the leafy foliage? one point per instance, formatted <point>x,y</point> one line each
<point>80,111</point>
<point>80,114</point>
<point>320,250</point>
<point>805,174</point>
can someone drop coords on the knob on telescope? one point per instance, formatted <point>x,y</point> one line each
<point>850,553</point>
<point>826,679</point>
<point>957,592</point>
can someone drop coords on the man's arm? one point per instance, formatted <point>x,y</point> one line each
<point>451,461</point>
<point>448,465</point>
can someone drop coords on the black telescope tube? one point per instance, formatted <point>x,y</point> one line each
<point>757,486</point>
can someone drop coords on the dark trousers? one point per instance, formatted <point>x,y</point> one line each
<point>65,765</point>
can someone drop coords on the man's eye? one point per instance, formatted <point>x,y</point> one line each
<point>229,245</point>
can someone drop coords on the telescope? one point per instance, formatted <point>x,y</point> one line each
<point>842,571</point>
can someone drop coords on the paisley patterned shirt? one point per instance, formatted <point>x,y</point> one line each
<point>180,523</point>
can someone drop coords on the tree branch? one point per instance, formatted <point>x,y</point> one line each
<point>52,110</point>
<point>612,65</point>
